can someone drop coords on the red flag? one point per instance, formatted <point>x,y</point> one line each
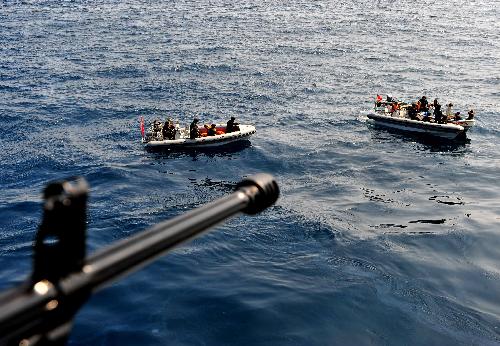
<point>142,127</point>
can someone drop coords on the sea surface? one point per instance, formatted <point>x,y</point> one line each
<point>377,238</point>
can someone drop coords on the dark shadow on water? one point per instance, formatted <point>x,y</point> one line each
<point>227,150</point>
<point>436,222</point>
<point>430,143</point>
<point>216,185</point>
<point>447,200</point>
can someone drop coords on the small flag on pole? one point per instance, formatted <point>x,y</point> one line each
<point>142,127</point>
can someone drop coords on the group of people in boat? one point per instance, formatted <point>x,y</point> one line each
<point>211,130</point>
<point>422,110</point>
<point>170,131</point>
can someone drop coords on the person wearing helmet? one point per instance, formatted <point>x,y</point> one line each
<point>471,115</point>
<point>193,129</point>
<point>438,114</point>
<point>231,126</point>
<point>168,130</point>
<point>412,112</point>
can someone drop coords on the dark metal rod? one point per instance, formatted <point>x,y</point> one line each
<point>137,251</point>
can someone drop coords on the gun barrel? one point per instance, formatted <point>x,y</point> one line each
<point>24,311</point>
<point>253,195</point>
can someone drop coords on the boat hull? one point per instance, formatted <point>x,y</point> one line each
<point>447,131</point>
<point>246,131</point>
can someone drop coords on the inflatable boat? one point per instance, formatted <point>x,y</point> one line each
<point>452,130</point>
<point>396,115</point>
<point>154,137</point>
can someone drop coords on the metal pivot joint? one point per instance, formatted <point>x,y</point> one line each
<point>60,240</point>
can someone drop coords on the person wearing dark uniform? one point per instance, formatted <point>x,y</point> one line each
<point>438,114</point>
<point>424,105</point>
<point>168,130</point>
<point>232,126</point>
<point>471,115</point>
<point>212,131</point>
<point>164,130</point>
<point>193,129</point>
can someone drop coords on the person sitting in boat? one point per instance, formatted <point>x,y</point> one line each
<point>378,101</point>
<point>412,112</point>
<point>156,125</point>
<point>424,105</point>
<point>212,131</point>
<point>471,115</point>
<point>156,129</point>
<point>449,111</point>
<point>193,129</point>
<point>394,109</point>
<point>457,116</point>
<point>168,130</point>
<point>417,106</point>
<point>231,126</point>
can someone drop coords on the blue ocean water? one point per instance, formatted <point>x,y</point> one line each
<point>377,239</point>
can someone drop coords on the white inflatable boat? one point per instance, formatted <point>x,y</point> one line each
<point>422,123</point>
<point>154,137</point>
<point>452,130</point>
